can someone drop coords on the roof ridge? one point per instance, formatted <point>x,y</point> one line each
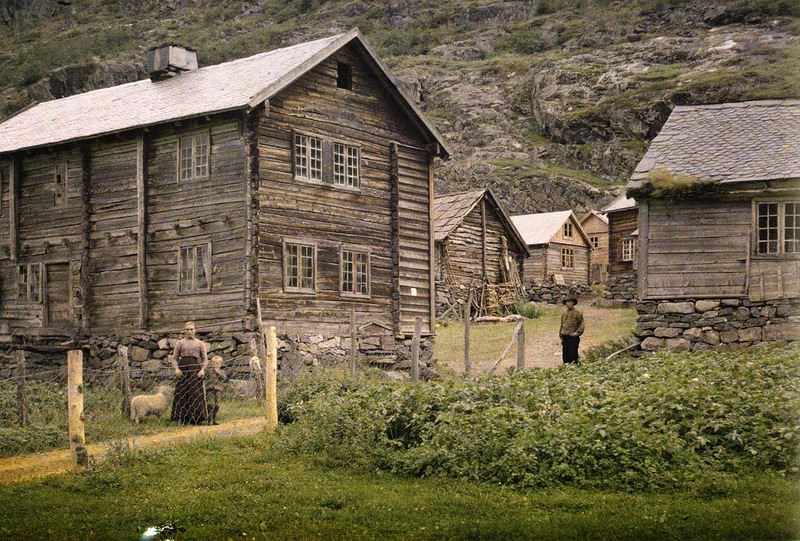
<point>735,104</point>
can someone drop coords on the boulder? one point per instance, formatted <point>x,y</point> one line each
<point>667,332</point>
<point>164,344</point>
<point>731,302</point>
<point>782,331</point>
<point>753,334</point>
<point>728,337</point>
<point>693,334</point>
<point>711,337</point>
<point>705,306</point>
<point>676,308</point>
<point>678,344</point>
<point>652,344</point>
<point>139,354</point>
<point>151,366</point>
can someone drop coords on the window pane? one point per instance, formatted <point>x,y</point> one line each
<point>347,272</point>
<point>315,165</point>
<point>307,267</point>
<point>352,166</point>
<point>35,283</point>
<point>201,145</point>
<point>339,164</point>
<point>767,228</point>
<point>301,156</point>
<point>292,266</point>
<point>362,274</point>
<point>791,230</point>
<point>201,264</point>
<point>185,159</point>
<point>22,283</point>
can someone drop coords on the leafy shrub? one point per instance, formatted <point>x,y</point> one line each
<point>521,39</point>
<point>528,310</point>
<point>662,421</point>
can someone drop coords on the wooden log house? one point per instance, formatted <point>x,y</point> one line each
<point>595,225</point>
<point>622,214</point>
<point>476,242</point>
<point>302,177</point>
<point>558,245</point>
<point>719,226</point>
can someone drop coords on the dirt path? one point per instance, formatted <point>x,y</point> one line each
<point>17,469</point>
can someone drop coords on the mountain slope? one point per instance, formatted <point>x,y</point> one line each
<point>549,102</point>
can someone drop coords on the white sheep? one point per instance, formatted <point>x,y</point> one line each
<point>150,404</point>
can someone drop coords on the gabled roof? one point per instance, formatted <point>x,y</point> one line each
<point>235,85</point>
<point>450,210</point>
<point>620,203</point>
<point>599,215</point>
<point>727,142</point>
<point>541,228</point>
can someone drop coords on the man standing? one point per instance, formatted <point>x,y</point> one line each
<point>571,330</point>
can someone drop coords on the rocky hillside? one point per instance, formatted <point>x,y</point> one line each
<point>550,102</point>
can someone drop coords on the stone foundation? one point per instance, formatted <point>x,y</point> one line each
<point>149,354</point>
<point>450,295</point>
<point>549,292</point>
<point>622,287</point>
<point>715,323</point>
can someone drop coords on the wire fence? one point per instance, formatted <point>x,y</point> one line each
<point>37,410</point>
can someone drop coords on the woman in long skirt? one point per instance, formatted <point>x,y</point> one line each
<point>189,361</point>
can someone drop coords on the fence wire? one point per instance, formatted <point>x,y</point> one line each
<point>33,401</point>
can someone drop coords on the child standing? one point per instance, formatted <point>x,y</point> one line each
<point>215,380</point>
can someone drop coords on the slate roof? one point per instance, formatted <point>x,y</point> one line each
<point>239,84</point>
<point>451,209</point>
<point>540,228</point>
<point>620,203</point>
<point>727,142</point>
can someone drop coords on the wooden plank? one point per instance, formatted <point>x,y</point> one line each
<point>13,203</point>
<point>644,231</point>
<point>141,233</point>
<point>431,247</point>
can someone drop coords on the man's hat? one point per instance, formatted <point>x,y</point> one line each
<point>572,298</point>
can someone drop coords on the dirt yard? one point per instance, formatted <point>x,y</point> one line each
<point>542,345</point>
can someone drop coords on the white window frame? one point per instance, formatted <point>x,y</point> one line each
<point>300,243</point>
<point>346,172</point>
<point>26,299</point>
<point>628,249</point>
<point>568,230</point>
<point>307,157</point>
<point>567,258</point>
<point>192,288</point>
<point>781,223</point>
<point>595,242</point>
<point>199,163</point>
<point>342,264</point>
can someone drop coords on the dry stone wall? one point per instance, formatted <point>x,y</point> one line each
<point>622,287</point>
<point>715,323</point>
<point>551,293</point>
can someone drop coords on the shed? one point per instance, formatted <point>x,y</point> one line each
<point>558,246</point>
<point>719,224</point>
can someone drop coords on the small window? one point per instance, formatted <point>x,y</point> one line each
<point>60,185</point>
<point>345,165</point>
<point>628,249</point>
<point>355,273</point>
<point>299,267</point>
<point>344,76</point>
<point>29,283</point>
<point>778,228</point>
<point>595,242</point>
<point>791,229</point>
<point>568,229</point>
<point>195,268</point>
<point>307,157</point>
<point>567,258</point>
<point>193,156</point>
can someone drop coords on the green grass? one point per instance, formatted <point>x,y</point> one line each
<point>102,418</point>
<point>240,488</point>
<point>523,169</point>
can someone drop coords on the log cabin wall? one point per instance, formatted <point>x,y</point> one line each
<point>533,268</point>
<point>594,227</point>
<point>332,218</point>
<point>620,226</point>
<point>579,272</point>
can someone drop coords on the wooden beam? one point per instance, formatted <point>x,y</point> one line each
<point>13,202</point>
<point>251,122</point>
<point>644,232</point>
<point>141,220</point>
<point>86,228</point>
<point>483,238</point>
<point>431,247</point>
<point>395,220</point>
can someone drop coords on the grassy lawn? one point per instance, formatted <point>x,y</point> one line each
<point>542,344</point>
<point>239,488</point>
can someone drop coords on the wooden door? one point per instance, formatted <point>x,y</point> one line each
<point>59,313</point>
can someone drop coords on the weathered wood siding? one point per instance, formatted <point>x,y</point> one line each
<point>579,273</point>
<point>595,227</point>
<point>184,213</point>
<point>620,226</point>
<point>334,217</point>
<point>696,248</point>
<point>533,269</point>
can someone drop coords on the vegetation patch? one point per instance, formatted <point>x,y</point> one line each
<point>663,184</point>
<point>661,422</point>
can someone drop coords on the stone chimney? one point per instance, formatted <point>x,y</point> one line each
<point>165,61</point>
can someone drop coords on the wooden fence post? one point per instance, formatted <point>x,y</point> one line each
<point>415,349</point>
<point>467,308</point>
<point>521,346</point>
<point>272,379</point>
<point>353,340</point>
<point>22,401</point>
<point>77,438</point>
<point>125,380</point>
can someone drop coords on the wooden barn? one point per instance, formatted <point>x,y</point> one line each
<point>476,242</point>
<point>595,225</point>
<point>302,177</point>
<point>559,247</point>
<point>719,226</point>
